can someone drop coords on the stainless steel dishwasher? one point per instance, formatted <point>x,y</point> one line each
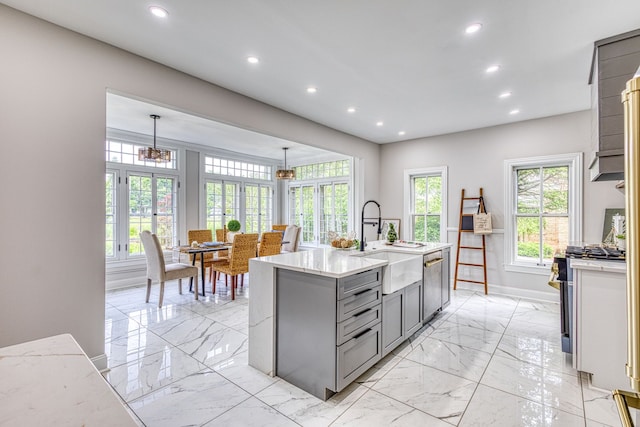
<point>432,284</point>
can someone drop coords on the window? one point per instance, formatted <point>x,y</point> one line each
<point>127,153</point>
<point>320,200</point>
<point>543,196</point>
<point>425,202</point>
<point>258,208</point>
<point>222,203</point>
<point>152,207</point>
<point>139,195</point>
<point>236,189</point>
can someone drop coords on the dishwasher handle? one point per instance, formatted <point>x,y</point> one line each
<point>429,264</point>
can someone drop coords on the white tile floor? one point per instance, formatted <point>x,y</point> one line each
<point>485,361</point>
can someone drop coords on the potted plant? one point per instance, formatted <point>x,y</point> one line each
<point>234,227</point>
<point>621,242</point>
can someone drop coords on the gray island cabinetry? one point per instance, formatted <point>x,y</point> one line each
<point>328,330</point>
<point>401,314</point>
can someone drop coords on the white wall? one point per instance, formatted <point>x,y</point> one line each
<point>52,131</point>
<point>475,159</point>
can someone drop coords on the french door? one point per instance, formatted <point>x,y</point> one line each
<point>222,203</point>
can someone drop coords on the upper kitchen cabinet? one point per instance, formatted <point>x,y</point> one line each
<point>615,60</point>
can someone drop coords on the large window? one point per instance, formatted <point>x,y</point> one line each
<point>542,212</point>
<point>425,202</point>
<point>240,190</point>
<point>139,195</point>
<point>319,200</point>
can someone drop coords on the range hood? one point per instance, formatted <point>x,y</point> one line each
<point>614,62</point>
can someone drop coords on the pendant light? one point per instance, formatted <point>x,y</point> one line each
<point>158,155</point>
<point>285,173</point>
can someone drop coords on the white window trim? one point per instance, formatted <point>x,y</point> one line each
<point>408,174</point>
<point>574,161</point>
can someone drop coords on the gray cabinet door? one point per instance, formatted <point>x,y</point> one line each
<point>412,308</point>
<point>392,321</point>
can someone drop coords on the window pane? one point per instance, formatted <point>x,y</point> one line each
<point>555,236</point>
<point>528,229</point>
<point>214,205</point>
<point>252,210</point>
<point>140,209</point>
<point>419,228</point>
<point>308,218</point>
<point>556,190</point>
<point>433,228</point>
<point>528,196</point>
<point>111,204</point>
<point>420,195</point>
<point>434,197</point>
<point>165,212</point>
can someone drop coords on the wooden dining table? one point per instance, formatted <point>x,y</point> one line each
<point>201,249</point>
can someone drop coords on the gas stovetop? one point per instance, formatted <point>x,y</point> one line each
<point>594,252</point>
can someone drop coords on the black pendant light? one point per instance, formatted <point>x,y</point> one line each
<point>158,155</point>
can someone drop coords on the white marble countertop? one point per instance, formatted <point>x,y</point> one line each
<point>338,263</point>
<point>599,265</point>
<point>52,382</point>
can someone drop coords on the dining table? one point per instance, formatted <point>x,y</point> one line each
<point>201,249</point>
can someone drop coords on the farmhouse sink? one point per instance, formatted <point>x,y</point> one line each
<point>402,270</point>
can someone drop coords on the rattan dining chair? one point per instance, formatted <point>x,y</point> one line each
<point>270,243</point>
<point>201,236</point>
<point>243,248</point>
<point>158,270</point>
<point>279,227</point>
<point>221,236</point>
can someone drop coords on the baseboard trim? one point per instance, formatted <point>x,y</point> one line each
<point>512,292</point>
<point>100,362</point>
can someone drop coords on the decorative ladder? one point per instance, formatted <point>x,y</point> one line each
<point>466,226</point>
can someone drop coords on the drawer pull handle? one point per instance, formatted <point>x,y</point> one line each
<point>362,292</point>
<point>362,312</point>
<point>362,333</point>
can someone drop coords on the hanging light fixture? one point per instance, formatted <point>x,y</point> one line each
<point>158,155</point>
<point>285,173</point>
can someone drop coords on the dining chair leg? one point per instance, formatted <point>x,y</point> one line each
<point>242,280</point>
<point>213,283</point>
<point>180,286</point>
<point>161,294</point>
<point>148,289</point>
<point>226,284</point>
<point>233,287</point>
<point>196,290</point>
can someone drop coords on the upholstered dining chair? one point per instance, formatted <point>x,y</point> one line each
<point>292,237</point>
<point>243,248</point>
<point>158,270</point>
<point>201,236</point>
<point>270,243</point>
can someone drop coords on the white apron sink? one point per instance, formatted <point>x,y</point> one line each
<point>402,270</point>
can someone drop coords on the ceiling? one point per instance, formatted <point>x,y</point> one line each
<point>407,63</point>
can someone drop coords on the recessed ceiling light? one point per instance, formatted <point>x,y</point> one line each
<point>253,60</point>
<point>351,110</point>
<point>473,28</point>
<point>504,95</point>
<point>493,69</point>
<point>312,89</point>
<point>379,123</point>
<point>514,112</point>
<point>158,11</point>
<point>401,133</point>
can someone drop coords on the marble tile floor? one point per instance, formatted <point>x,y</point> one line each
<point>484,361</point>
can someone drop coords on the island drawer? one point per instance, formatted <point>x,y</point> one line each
<point>358,301</point>
<point>359,322</point>
<point>357,355</point>
<point>358,282</point>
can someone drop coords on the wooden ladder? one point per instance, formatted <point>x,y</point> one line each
<point>466,226</point>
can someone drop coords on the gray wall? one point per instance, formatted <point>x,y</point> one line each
<point>52,128</point>
<point>475,159</point>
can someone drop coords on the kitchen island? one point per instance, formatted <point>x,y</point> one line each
<point>307,281</point>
